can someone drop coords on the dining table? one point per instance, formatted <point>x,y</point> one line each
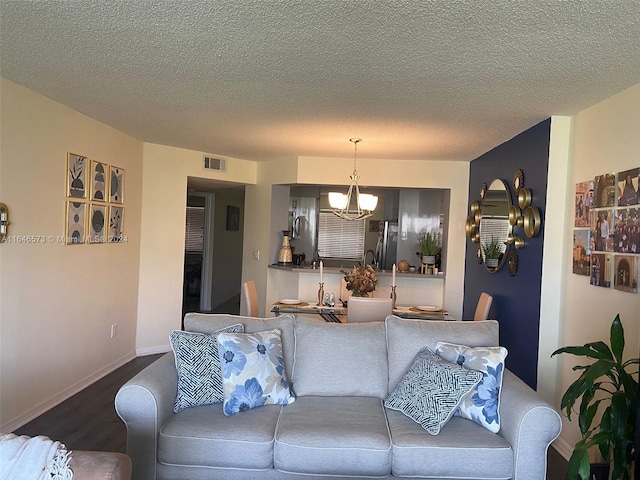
<point>338,313</point>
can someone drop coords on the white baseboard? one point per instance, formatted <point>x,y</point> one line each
<point>563,448</point>
<point>48,404</point>
<point>143,352</point>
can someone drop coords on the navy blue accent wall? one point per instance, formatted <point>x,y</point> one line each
<point>516,300</point>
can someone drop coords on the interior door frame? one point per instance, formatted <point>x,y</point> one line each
<point>206,275</point>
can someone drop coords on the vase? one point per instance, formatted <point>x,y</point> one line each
<point>286,255</point>
<point>492,262</point>
<point>358,293</point>
<point>428,259</point>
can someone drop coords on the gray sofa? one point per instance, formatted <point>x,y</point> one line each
<point>338,425</point>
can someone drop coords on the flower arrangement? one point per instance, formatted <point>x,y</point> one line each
<point>361,280</point>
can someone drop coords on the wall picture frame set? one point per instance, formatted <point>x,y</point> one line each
<point>606,239</point>
<point>94,194</point>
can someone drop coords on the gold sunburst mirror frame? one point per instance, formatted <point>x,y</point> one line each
<point>4,222</point>
<point>520,214</point>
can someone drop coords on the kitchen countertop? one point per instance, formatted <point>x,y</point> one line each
<point>336,270</point>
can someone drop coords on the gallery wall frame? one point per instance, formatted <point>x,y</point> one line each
<point>99,181</point>
<point>97,222</point>
<point>116,222</point>
<point>76,176</point>
<point>116,184</point>
<point>75,223</point>
<point>611,204</point>
<point>94,207</point>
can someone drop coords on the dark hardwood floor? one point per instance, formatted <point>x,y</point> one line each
<point>88,420</point>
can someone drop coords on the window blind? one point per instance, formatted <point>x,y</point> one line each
<point>494,227</point>
<point>194,231</point>
<point>339,238</point>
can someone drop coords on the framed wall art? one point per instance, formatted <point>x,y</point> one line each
<point>628,187</point>
<point>116,184</point>
<point>116,221</point>
<point>625,276</point>
<point>97,219</point>
<point>76,176</point>
<point>75,223</point>
<point>233,217</point>
<point>605,190</point>
<point>584,203</point>
<point>98,179</point>
<point>581,252</point>
<point>600,274</point>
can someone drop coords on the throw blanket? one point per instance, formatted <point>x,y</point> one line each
<point>36,458</point>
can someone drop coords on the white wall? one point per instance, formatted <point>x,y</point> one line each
<point>227,251</point>
<point>604,139</point>
<point>59,301</point>
<point>165,172</point>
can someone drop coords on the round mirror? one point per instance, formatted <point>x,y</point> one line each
<point>495,227</point>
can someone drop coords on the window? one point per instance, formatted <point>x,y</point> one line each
<point>194,237</point>
<point>339,238</point>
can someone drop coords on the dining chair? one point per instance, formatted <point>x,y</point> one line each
<point>251,298</point>
<point>484,304</point>
<point>364,309</point>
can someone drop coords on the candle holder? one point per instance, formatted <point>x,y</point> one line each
<point>320,294</point>
<point>393,296</point>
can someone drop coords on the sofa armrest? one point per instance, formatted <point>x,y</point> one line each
<point>529,424</point>
<point>100,465</point>
<point>145,404</point>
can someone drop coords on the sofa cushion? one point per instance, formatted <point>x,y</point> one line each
<point>406,337</point>
<point>481,404</point>
<point>252,371</point>
<point>333,436</point>
<point>198,367</point>
<point>462,449</point>
<point>431,390</point>
<point>336,359</point>
<point>205,436</point>
<point>210,322</point>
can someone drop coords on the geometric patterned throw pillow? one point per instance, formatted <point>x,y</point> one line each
<point>482,404</point>
<point>198,367</point>
<point>430,392</point>
<point>253,372</point>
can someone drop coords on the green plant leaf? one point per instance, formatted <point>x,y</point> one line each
<point>617,338</point>
<point>603,438</point>
<point>619,414</point>
<point>586,418</point>
<point>585,351</point>
<point>602,348</point>
<point>576,465</point>
<point>597,370</point>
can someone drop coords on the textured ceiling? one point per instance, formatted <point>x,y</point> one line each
<point>265,79</point>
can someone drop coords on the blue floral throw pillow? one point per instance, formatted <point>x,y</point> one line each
<point>430,392</point>
<point>198,367</point>
<point>482,404</point>
<point>253,371</point>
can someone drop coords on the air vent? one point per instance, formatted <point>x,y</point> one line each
<point>211,163</point>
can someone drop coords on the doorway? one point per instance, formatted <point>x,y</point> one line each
<point>213,247</point>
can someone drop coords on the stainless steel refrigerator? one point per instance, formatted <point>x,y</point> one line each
<point>387,246</point>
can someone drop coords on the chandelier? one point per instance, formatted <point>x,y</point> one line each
<point>340,202</point>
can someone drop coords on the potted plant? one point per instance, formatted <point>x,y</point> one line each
<point>492,252</point>
<point>429,247</point>
<point>608,383</point>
